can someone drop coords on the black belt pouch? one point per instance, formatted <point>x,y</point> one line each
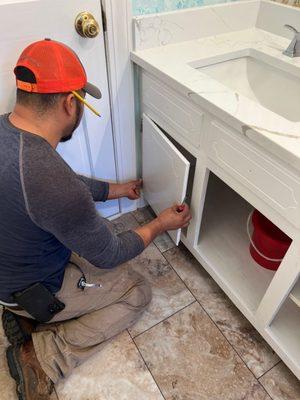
<point>39,302</point>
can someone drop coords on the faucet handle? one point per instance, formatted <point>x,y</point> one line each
<point>291,28</point>
<point>294,48</point>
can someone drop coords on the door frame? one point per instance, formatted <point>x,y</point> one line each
<point>118,42</point>
<point>118,39</point>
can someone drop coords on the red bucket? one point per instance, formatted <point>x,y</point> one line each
<point>269,244</point>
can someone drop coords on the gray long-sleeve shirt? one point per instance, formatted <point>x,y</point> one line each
<point>47,211</point>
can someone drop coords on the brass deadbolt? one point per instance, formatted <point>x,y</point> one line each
<point>86,25</point>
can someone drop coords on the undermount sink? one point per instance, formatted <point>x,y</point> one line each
<point>266,80</point>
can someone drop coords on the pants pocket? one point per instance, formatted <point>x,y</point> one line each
<point>69,286</point>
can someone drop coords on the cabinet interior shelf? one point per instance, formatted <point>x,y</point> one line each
<point>285,329</point>
<point>295,294</point>
<point>224,245</point>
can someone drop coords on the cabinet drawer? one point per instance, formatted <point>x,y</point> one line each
<point>172,111</point>
<point>267,179</point>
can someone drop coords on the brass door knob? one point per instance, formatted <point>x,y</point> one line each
<point>86,25</point>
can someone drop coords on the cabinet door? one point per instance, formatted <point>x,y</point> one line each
<point>165,171</point>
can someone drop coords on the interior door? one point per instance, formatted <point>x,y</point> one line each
<point>91,150</point>
<point>165,171</point>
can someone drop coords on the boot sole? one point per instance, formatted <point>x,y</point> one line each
<point>14,333</point>
<point>16,371</point>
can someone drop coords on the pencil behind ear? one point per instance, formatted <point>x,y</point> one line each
<point>80,98</point>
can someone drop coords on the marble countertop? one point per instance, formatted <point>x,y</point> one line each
<point>173,65</point>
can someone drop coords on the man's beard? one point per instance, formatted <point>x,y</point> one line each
<point>77,122</point>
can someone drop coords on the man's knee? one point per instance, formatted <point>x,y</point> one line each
<point>140,295</point>
<point>147,292</point>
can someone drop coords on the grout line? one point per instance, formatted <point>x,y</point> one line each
<point>56,393</point>
<point>214,323</point>
<point>146,365</point>
<point>233,348</point>
<point>278,362</point>
<point>265,390</point>
<point>169,316</point>
<point>141,224</point>
<point>175,311</point>
<point>209,316</point>
<point>269,394</point>
<point>163,254</point>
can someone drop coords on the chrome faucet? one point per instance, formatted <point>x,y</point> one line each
<point>294,48</point>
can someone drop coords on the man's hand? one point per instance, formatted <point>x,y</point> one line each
<point>131,190</point>
<point>170,219</point>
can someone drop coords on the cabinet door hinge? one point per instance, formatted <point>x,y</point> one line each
<point>104,20</point>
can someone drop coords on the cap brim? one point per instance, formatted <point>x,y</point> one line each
<point>92,90</point>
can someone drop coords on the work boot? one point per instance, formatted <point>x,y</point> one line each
<point>17,329</point>
<point>32,382</point>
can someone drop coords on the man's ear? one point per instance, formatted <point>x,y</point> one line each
<point>69,103</point>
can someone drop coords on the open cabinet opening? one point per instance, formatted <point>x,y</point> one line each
<point>285,327</point>
<point>224,244</point>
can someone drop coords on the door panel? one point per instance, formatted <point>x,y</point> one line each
<point>91,150</point>
<point>165,171</point>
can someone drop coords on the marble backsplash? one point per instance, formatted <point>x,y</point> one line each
<point>168,28</point>
<point>141,7</point>
<point>174,27</point>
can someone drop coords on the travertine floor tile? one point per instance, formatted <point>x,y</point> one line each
<point>7,384</point>
<point>168,291</point>
<point>191,360</point>
<point>116,373</point>
<point>252,348</point>
<point>281,384</point>
<point>124,223</point>
<point>145,215</point>
<point>164,242</point>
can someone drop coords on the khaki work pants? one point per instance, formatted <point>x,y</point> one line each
<point>91,317</point>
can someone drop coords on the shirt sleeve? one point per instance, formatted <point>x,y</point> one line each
<point>60,203</point>
<point>98,189</point>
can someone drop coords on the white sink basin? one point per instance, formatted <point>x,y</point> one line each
<point>272,83</point>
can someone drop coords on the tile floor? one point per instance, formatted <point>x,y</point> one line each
<point>192,343</point>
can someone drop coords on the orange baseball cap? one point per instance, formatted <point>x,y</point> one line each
<point>56,67</point>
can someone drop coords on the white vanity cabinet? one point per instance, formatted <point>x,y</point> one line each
<point>273,183</point>
<point>231,177</point>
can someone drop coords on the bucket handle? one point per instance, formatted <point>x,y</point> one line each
<point>253,245</point>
